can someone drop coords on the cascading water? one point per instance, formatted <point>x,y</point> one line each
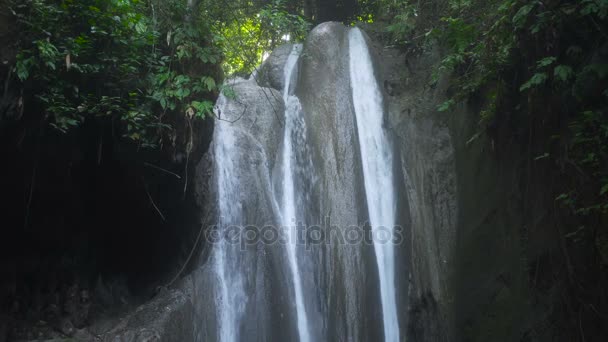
<point>273,173</point>
<point>288,202</point>
<point>377,160</point>
<point>231,300</point>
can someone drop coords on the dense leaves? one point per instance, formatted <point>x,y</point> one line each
<point>135,61</point>
<point>248,34</point>
<point>115,59</point>
<point>537,71</point>
<point>554,53</point>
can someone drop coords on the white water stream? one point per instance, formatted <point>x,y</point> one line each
<point>377,160</point>
<point>288,200</point>
<point>232,298</point>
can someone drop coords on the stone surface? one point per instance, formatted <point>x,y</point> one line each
<point>252,125</point>
<point>345,273</point>
<point>167,318</point>
<point>270,73</point>
<point>467,275</point>
<point>452,206</point>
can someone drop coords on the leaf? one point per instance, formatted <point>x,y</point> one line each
<point>473,138</point>
<point>210,83</point>
<point>519,19</point>
<point>575,233</point>
<point>228,91</point>
<point>182,93</point>
<point>574,50</point>
<point>22,68</point>
<point>545,62</point>
<point>563,72</point>
<point>604,190</point>
<point>536,80</point>
<point>446,105</point>
<point>601,70</point>
<point>202,108</point>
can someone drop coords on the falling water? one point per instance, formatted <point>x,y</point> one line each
<point>377,160</point>
<point>288,203</point>
<point>231,299</point>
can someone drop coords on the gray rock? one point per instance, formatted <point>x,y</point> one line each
<point>428,172</point>
<point>250,131</point>
<point>270,73</point>
<point>66,326</point>
<point>167,318</point>
<point>345,273</point>
<point>259,112</point>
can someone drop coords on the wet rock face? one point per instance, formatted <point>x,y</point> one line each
<point>345,273</point>
<point>270,73</point>
<point>427,158</point>
<point>248,137</point>
<point>344,276</point>
<point>258,113</point>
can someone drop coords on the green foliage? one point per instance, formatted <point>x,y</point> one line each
<point>93,59</point>
<point>134,61</point>
<point>402,23</point>
<point>536,80</point>
<point>563,73</point>
<point>544,57</point>
<point>399,16</point>
<point>444,107</point>
<point>202,109</point>
<point>247,34</point>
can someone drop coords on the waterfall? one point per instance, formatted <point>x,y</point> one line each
<point>288,202</point>
<point>314,165</point>
<point>377,160</point>
<point>231,300</point>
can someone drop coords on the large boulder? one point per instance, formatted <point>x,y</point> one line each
<point>245,147</point>
<point>167,318</point>
<point>270,73</point>
<point>250,124</point>
<point>345,272</point>
<point>428,171</point>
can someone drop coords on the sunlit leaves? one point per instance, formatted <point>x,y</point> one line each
<point>246,38</point>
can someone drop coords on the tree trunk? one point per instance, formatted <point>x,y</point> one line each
<point>326,10</point>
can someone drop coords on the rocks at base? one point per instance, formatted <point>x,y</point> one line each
<point>168,317</point>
